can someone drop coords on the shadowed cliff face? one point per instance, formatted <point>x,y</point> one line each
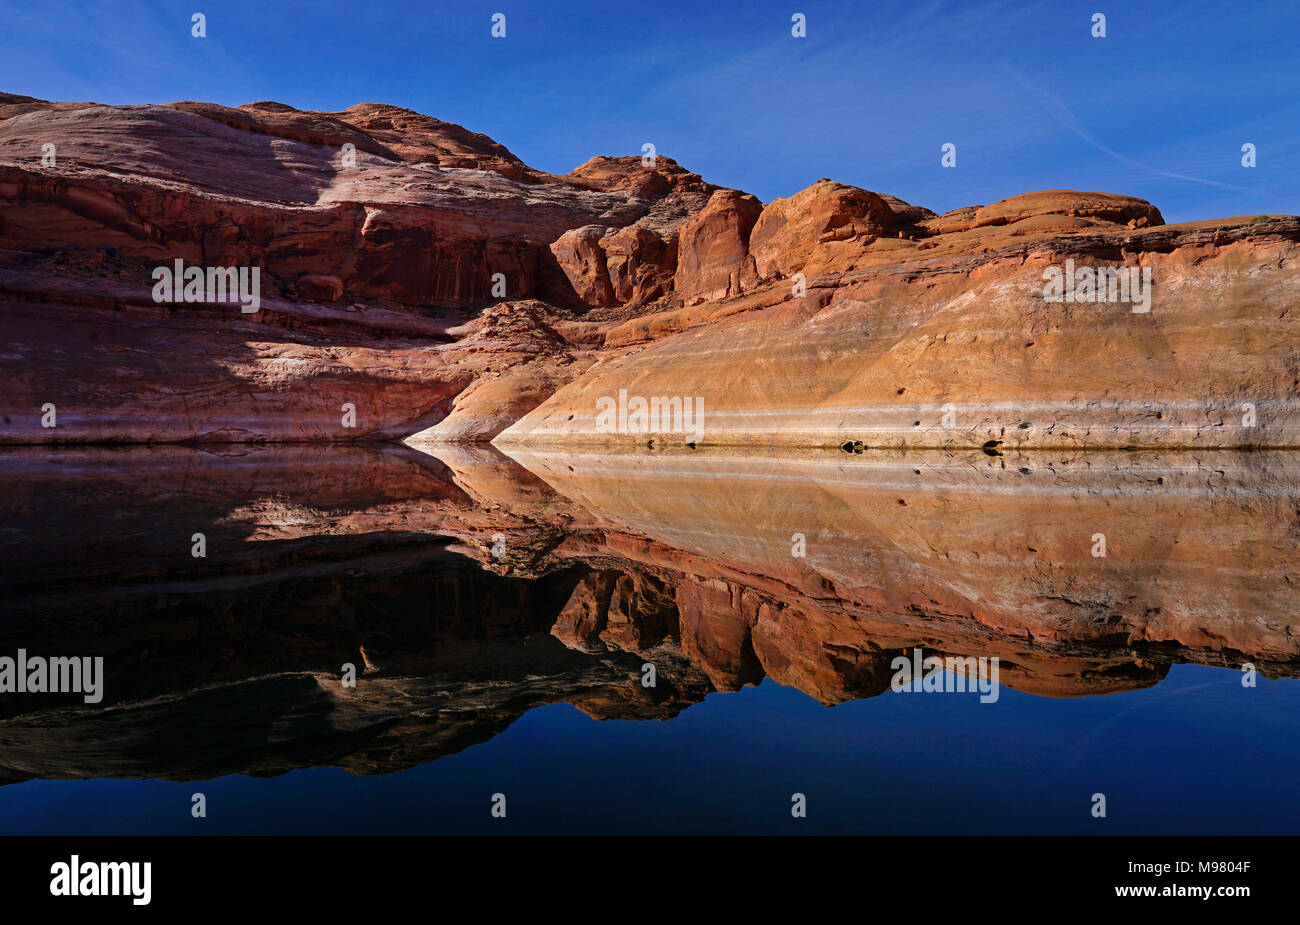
<point>470,588</point>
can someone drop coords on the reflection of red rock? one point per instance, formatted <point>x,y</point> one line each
<point>716,617</point>
<point>317,558</point>
<point>584,615</point>
<point>632,612</point>
<point>981,560</point>
<point>723,594</point>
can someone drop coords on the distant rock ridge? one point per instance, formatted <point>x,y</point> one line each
<point>386,240</point>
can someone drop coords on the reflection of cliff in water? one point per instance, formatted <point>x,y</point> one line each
<point>470,588</point>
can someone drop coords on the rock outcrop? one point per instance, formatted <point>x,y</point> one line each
<point>800,234</point>
<point>713,248</point>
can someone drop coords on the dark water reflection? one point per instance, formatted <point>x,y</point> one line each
<point>509,604</point>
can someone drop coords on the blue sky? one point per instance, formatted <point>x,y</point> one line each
<point>1159,108</point>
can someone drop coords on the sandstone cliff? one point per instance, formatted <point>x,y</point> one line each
<point>423,276</point>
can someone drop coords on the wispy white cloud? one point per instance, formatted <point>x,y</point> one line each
<point>1063,115</point>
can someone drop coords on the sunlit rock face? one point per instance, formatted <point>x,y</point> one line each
<point>416,279</point>
<point>467,588</point>
<point>954,349</point>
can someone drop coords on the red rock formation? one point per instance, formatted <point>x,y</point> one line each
<point>948,340</point>
<point>388,242</point>
<point>790,231</point>
<point>900,548</point>
<point>640,263</point>
<point>713,259</point>
<point>581,256</point>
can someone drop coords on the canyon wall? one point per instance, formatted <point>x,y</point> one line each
<point>419,281</point>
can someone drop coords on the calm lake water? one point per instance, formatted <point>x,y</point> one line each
<point>501,615</point>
